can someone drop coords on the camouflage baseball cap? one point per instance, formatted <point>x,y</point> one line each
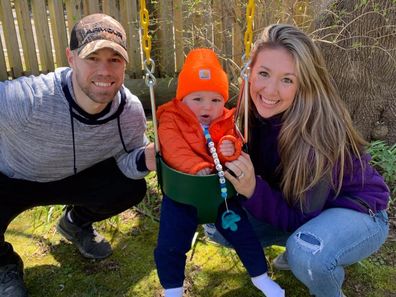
<point>97,31</point>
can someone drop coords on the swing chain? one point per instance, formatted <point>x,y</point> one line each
<point>245,68</point>
<point>248,38</point>
<point>146,45</point>
<point>144,23</point>
<point>149,78</point>
<point>246,59</point>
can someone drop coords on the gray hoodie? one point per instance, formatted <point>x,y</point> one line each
<point>45,136</point>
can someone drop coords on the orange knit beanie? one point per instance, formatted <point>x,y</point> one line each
<point>202,72</point>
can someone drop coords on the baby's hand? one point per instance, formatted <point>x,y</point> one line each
<point>227,148</point>
<point>204,171</point>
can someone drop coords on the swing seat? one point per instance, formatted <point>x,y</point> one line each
<point>202,192</point>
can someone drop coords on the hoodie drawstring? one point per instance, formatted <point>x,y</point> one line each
<point>74,141</point>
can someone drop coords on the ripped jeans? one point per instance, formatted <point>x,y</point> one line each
<point>318,251</point>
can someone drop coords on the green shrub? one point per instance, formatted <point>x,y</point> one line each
<point>384,160</point>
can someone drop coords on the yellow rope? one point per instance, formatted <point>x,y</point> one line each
<point>144,23</point>
<point>248,38</point>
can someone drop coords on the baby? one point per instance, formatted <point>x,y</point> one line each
<point>196,133</point>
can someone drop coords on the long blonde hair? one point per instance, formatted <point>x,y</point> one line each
<point>317,132</point>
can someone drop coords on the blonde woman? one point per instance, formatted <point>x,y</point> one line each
<point>307,180</point>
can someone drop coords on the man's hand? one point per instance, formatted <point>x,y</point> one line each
<point>149,154</point>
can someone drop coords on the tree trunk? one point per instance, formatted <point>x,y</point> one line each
<point>358,41</point>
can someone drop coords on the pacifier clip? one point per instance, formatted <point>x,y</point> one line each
<point>229,217</point>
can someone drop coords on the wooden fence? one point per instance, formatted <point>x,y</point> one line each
<point>35,33</point>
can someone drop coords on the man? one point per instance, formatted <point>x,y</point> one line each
<point>74,137</point>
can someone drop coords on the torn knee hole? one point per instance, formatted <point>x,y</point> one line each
<point>310,241</point>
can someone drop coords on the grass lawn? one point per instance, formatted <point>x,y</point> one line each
<point>53,267</point>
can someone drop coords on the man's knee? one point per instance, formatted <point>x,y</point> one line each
<point>132,194</point>
<point>118,200</point>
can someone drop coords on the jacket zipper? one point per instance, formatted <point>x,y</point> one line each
<point>364,204</point>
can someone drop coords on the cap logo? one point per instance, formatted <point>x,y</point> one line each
<point>204,74</point>
<point>108,30</point>
<point>101,33</point>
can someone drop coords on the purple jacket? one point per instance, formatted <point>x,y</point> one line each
<point>268,203</point>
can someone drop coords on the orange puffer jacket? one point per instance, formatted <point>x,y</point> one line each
<point>182,141</point>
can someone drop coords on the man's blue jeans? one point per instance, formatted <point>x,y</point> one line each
<point>318,251</point>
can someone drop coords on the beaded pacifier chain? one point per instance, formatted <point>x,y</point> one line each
<point>229,217</point>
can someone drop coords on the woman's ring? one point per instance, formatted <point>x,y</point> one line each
<point>241,175</point>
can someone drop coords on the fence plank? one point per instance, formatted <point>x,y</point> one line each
<point>93,6</point>
<point>58,31</point>
<point>129,19</point>
<point>218,35</point>
<point>43,36</point>
<point>73,12</point>
<point>167,60</point>
<point>208,17</point>
<point>228,11</point>
<point>3,66</point>
<point>237,39</point>
<point>10,36</point>
<point>109,7</point>
<point>197,24</point>
<point>178,25</point>
<point>27,38</point>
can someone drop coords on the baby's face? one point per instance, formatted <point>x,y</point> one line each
<point>206,105</point>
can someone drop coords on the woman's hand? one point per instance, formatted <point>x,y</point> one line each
<point>244,181</point>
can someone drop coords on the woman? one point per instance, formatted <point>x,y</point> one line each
<point>307,182</point>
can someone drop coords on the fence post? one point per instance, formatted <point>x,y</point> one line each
<point>73,12</point>
<point>91,6</point>
<point>10,35</point>
<point>59,33</point>
<point>167,50</point>
<point>3,66</point>
<point>109,7</point>
<point>44,44</point>
<point>130,21</point>
<point>218,34</point>
<point>26,34</point>
<point>178,25</point>
<point>237,39</point>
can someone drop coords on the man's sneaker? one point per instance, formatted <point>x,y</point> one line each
<point>11,281</point>
<point>90,244</point>
<point>280,262</point>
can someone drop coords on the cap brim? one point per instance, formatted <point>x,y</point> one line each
<point>99,44</point>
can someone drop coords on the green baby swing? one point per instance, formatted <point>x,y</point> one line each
<point>199,191</point>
